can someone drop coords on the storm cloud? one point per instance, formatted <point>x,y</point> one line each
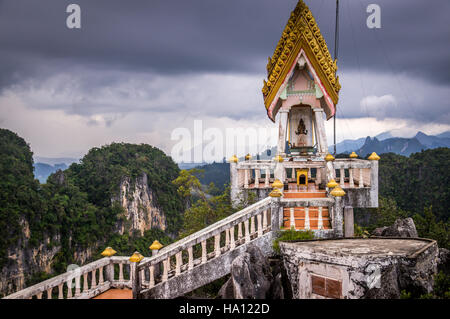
<point>172,61</point>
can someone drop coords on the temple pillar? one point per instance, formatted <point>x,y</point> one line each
<point>319,124</point>
<point>373,184</point>
<point>282,122</point>
<point>349,223</point>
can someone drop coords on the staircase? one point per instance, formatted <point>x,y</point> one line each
<point>193,261</point>
<point>206,255</point>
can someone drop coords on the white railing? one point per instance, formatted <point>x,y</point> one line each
<point>83,282</point>
<point>204,245</point>
<point>357,170</point>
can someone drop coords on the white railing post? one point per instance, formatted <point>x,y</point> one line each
<point>307,226</point>
<point>85,282</point>
<point>69,288</point>
<point>77,286</point>
<point>49,293</point>
<point>291,217</point>
<point>260,229</point>
<point>101,280</point>
<point>165,275</point>
<point>60,291</point>
<point>239,231</point>
<point>151,271</point>
<point>342,178</point>
<point>257,174</point>
<point>247,234</point>
<point>178,263</point>
<point>245,178</point>
<point>232,243</point>
<point>320,221</point>
<point>217,245</point>
<point>204,256</point>
<point>266,178</point>
<point>190,258</point>
<point>350,177</point>
<point>265,219</point>
<point>120,272</point>
<point>227,238</point>
<point>361,179</point>
<point>94,280</point>
<point>252,225</point>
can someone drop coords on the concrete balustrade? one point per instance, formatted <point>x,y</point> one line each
<point>220,237</point>
<point>80,283</point>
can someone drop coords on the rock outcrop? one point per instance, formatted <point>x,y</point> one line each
<point>401,228</point>
<point>141,209</point>
<point>253,277</point>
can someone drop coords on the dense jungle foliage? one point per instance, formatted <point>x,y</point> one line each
<point>74,208</point>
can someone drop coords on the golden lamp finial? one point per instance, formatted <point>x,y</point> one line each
<point>156,245</point>
<point>276,193</point>
<point>353,155</point>
<point>374,157</point>
<point>277,184</point>
<point>136,257</point>
<point>278,158</point>
<point>233,159</point>
<point>337,192</point>
<point>332,183</point>
<point>329,157</point>
<point>248,157</point>
<point>108,252</point>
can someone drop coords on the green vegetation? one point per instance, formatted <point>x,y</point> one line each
<point>216,173</point>
<point>20,200</point>
<point>204,209</point>
<point>74,209</point>
<point>291,235</point>
<point>417,182</point>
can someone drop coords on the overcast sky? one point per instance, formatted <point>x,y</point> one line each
<point>138,69</point>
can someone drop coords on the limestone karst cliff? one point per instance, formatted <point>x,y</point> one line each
<point>119,193</point>
<point>141,209</point>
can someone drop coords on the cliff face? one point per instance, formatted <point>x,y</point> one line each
<point>141,209</point>
<point>141,213</point>
<point>23,261</point>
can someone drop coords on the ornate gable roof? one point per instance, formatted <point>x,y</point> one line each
<point>300,33</point>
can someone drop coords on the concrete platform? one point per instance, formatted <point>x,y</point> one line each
<point>376,247</point>
<point>360,267</point>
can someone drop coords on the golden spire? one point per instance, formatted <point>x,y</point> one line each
<point>301,32</point>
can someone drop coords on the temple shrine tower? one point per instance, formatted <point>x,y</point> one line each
<point>301,92</point>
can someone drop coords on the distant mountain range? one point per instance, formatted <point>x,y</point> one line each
<point>45,166</point>
<point>386,143</point>
<point>42,170</point>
